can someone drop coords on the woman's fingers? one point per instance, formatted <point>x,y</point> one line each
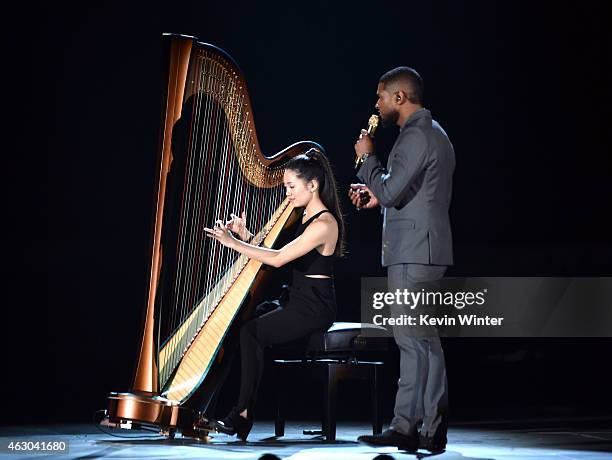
<point>241,219</point>
<point>218,229</point>
<point>234,218</point>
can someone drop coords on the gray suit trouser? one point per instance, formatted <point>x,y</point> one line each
<point>422,394</point>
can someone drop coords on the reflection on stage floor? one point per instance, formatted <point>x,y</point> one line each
<point>582,439</point>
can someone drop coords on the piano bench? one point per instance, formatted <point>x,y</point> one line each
<point>330,357</point>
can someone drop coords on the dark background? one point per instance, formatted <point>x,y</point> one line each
<point>520,87</point>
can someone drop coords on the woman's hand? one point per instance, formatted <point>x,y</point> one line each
<point>221,233</point>
<point>238,226</point>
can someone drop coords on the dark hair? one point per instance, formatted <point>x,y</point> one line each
<point>409,76</point>
<point>311,165</point>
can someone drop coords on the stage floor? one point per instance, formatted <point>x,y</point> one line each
<point>466,441</point>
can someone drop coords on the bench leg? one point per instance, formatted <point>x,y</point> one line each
<point>279,421</point>
<point>329,419</point>
<point>376,420</point>
<point>279,424</point>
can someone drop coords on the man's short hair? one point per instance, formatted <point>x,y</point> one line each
<point>405,77</point>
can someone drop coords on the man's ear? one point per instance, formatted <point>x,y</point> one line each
<point>399,97</point>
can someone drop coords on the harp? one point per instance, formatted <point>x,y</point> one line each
<point>209,164</point>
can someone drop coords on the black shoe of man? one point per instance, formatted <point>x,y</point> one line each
<point>391,438</point>
<point>432,444</point>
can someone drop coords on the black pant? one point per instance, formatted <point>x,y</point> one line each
<point>311,307</point>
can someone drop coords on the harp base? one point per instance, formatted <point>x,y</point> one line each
<point>134,410</point>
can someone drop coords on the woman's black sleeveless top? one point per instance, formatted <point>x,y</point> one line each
<point>313,262</point>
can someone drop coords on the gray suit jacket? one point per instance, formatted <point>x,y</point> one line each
<point>415,193</point>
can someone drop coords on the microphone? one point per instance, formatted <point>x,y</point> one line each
<point>372,125</point>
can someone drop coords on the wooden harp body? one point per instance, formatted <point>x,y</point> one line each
<point>209,164</point>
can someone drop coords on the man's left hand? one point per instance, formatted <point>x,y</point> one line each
<point>362,197</point>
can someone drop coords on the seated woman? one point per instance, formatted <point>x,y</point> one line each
<point>311,307</point>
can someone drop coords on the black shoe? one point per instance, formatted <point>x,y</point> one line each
<point>234,423</point>
<point>391,438</point>
<point>432,444</point>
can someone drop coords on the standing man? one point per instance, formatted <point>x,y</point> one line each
<point>414,191</point>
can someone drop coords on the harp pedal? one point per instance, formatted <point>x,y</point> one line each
<point>102,419</point>
<point>122,424</point>
<point>202,423</point>
<point>169,433</point>
<point>200,429</point>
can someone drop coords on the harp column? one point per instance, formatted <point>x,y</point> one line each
<point>146,379</point>
<point>144,405</point>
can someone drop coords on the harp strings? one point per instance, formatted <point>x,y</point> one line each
<point>214,186</point>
